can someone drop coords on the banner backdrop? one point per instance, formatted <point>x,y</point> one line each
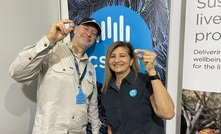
<point>202,46</point>
<point>142,23</point>
<point>201,96</point>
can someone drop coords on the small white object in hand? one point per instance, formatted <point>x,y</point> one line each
<point>136,51</point>
<point>71,24</point>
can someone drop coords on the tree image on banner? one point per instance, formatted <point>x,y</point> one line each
<point>152,15</point>
<point>201,111</point>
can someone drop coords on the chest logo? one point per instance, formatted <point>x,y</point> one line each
<point>133,92</point>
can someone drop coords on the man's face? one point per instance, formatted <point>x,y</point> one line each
<point>85,35</point>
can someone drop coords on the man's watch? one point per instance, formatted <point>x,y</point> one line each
<point>154,77</point>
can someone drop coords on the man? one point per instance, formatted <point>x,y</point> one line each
<point>67,91</point>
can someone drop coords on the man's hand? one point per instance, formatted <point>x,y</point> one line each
<point>58,31</point>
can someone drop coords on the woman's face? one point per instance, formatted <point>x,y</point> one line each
<point>120,61</point>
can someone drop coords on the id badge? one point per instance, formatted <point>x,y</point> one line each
<point>80,97</point>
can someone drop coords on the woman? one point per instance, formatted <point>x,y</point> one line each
<point>134,103</point>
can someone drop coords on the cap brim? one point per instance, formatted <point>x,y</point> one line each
<point>97,26</point>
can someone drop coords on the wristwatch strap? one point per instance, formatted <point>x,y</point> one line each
<point>154,77</point>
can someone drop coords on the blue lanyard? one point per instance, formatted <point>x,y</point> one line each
<point>80,76</point>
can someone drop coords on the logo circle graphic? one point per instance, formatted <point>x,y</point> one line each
<point>118,23</point>
<point>133,93</point>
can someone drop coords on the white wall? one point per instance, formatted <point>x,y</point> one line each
<point>175,59</point>
<point>22,23</point>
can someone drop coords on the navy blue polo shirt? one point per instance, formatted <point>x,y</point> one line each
<point>129,110</point>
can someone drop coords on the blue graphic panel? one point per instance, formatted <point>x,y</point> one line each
<point>118,23</point>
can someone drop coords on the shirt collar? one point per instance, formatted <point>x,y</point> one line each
<point>85,57</point>
<point>130,78</point>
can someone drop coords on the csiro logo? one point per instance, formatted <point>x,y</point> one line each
<point>118,23</point>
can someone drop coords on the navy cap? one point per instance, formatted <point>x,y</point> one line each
<point>91,21</point>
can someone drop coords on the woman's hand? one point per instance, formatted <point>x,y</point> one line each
<point>148,59</point>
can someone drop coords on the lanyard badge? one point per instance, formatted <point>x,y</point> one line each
<point>80,97</point>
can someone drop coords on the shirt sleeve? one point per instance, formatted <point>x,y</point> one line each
<point>27,65</point>
<point>93,109</point>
